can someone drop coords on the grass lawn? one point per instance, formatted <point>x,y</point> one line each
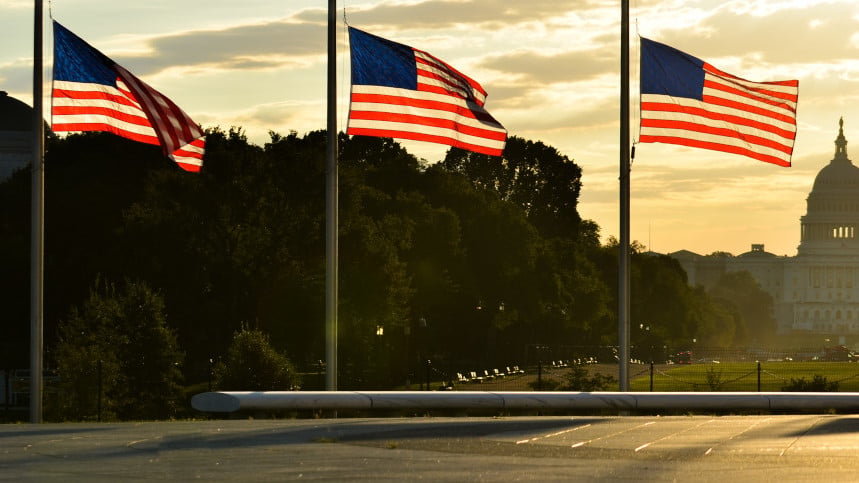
<point>742,376</point>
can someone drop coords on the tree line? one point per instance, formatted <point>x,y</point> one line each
<point>468,262</point>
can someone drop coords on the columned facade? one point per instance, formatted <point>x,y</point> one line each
<point>817,291</point>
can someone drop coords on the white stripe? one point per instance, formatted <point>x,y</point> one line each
<point>787,110</point>
<point>704,137</point>
<point>427,113</point>
<point>186,160</point>
<point>680,116</point>
<point>84,87</point>
<point>424,96</point>
<point>425,130</point>
<point>685,101</point>
<point>413,94</point>
<point>754,85</point>
<point>444,71</point>
<point>195,149</point>
<point>102,119</point>
<point>150,97</point>
<point>102,103</point>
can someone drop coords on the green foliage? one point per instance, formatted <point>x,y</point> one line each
<point>546,384</point>
<point>489,252</point>
<point>117,352</point>
<point>714,378</point>
<point>751,307</point>
<point>579,379</point>
<point>817,384</point>
<point>252,364</point>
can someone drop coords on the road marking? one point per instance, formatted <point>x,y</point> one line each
<point>710,450</point>
<point>582,443</point>
<point>645,445</point>
<point>786,449</point>
<point>531,440</point>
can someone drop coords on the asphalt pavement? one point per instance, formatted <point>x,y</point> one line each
<point>784,448</point>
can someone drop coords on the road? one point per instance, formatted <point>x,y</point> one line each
<point>818,447</point>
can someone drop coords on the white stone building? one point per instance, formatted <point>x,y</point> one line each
<point>817,291</point>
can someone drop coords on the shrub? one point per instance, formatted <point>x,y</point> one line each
<point>817,384</point>
<point>252,364</point>
<point>578,379</point>
<point>117,358</point>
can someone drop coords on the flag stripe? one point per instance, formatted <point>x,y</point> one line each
<point>405,93</point>
<point>430,116</point>
<point>79,107</point>
<point>722,112</point>
<point>699,129</point>
<point>481,147</point>
<point>699,142</point>
<point>375,117</point>
<point>665,107</point>
<point>93,93</point>
<point>436,104</point>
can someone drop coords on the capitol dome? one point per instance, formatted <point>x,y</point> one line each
<point>832,218</point>
<point>840,173</point>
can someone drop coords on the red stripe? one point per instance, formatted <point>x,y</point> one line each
<point>728,118</point>
<point>718,101</point>
<point>172,125</point>
<point>193,168</point>
<point>89,95</point>
<point>188,154</point>
<point>724,132</point>
<point>428,121</point>
<point>440,64</point>
<point>455,89</point>
<point>94,126</point>
<point>425,137</point>
<point>715,147</point>
<point>476,113</point>
<point>714,70</point>
<point>100,111</point>
<point>745,93</point>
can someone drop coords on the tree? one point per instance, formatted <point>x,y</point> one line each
<point>741,294</point>
<point>535,177</point>
<point>117,353</point>
<point>253,365</point>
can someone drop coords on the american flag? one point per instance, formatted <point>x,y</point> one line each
<point>405,93</point>
<point>93,93</point>
<point>687,101</point>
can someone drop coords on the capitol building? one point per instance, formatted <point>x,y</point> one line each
<point>815,292</point>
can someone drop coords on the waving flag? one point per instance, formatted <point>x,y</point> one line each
<point>401,92</point>
<point>93,93</point>
<point>687,101</point>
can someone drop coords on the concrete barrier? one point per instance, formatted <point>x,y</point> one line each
<point>230,401</point>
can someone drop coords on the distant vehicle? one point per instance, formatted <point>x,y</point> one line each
<point>683,357</point>
<point>837,353</point>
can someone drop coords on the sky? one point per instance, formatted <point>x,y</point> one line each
<point>552,72</point>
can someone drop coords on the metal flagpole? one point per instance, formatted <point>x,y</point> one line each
<point>37,240</point>
<point>331,205</point>
<point>623,262</point>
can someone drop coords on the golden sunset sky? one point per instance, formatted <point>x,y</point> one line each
<point>552,71</point>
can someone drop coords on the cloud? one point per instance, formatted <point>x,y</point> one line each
<point>251,47</point>
<point>531,66</point>
<point>441,14</point>
<point>788,36</point>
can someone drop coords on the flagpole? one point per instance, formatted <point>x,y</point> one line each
<point>623,262</point>
<point>37,240</point>
<point>331,211</point>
